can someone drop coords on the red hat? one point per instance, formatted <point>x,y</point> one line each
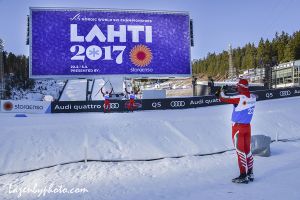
<point>243,83</point>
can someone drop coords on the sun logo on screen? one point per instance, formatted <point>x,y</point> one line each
<point>140,55</point>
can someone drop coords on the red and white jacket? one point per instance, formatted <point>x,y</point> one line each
<point>243,106</point>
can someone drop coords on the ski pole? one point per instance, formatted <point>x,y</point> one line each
<point>112,88</point>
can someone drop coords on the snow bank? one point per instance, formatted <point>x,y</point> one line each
<point>43,140</point>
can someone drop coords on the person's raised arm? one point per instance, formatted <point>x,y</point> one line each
<point>102,91</point>
<point>229,99</point>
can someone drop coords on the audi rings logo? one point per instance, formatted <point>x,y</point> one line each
<point>114,105</point>
<point>8,106</point>
<point>285,93</point>
<point>177,104</point>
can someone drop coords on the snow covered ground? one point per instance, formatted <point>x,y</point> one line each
<point>74,90</point>
<point>42,140</point>
<point>193,178</point>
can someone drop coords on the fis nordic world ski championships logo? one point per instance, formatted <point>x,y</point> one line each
<point>8,106</point>
<point>141,55</point>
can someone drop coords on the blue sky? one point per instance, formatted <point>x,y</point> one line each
<point>216,22</point>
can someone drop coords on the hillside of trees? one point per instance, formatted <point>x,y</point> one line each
<point>16,65</point>
<point>16,72</point>
<point>282,48</point>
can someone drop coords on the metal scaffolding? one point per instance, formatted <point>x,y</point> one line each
<point>232,70</point>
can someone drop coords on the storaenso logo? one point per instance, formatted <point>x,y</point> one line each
<point>176,104</point>
<point>8,106</point>
<point>29,107</point>
<point>285,93</point>
<point>114,105</point>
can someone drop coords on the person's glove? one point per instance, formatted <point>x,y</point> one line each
<point>218,92</point>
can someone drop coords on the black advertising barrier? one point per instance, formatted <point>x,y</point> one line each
<point>179,103</point>
<point>277,93</point>
<point>162,104</point>
<point>92,106</point>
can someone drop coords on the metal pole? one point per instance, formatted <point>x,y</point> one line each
<point>298,75</point>
<point>87,89</point>
<point>293,74</point>
<point>2,68</point>
<point>194,83</point>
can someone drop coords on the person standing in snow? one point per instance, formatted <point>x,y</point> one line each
<point>131,100</point>
<point>106,96</point>
<point>243,108</point>
<point>211,85</point>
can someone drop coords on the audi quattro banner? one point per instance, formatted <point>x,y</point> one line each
<point>123,105</point>
<point>278,93</point>
<point>179,103</point>
<point>11,106</point>
<point>92,106</point>
<point>162,104</point>
<point>92,42</point>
